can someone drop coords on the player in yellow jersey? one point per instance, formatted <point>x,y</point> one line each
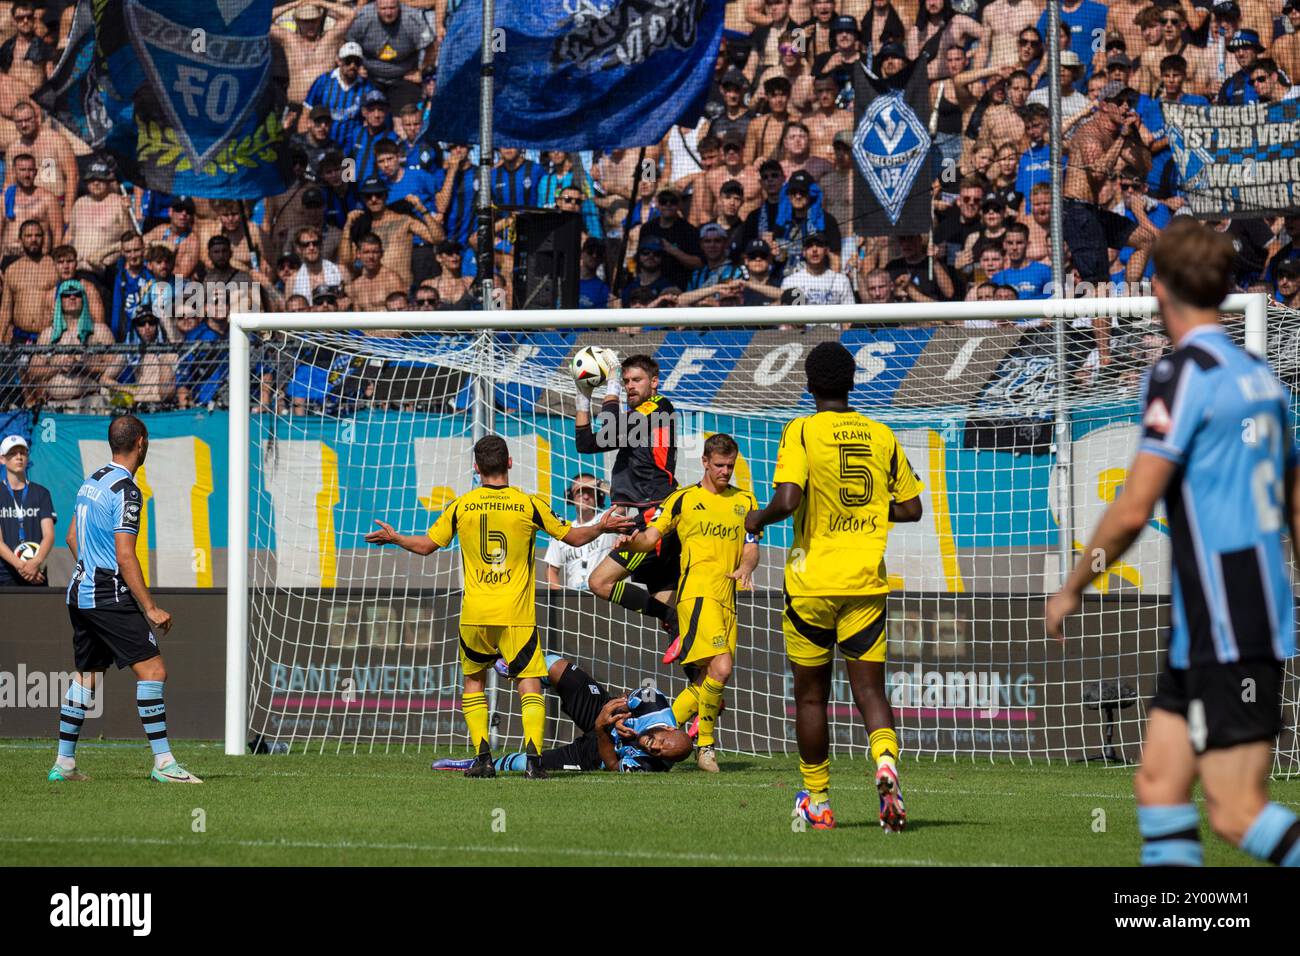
<point>718,558</point>
<point>497,526</point>
<point>844,478</point>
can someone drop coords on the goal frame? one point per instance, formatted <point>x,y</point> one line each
<point>1253,306</point>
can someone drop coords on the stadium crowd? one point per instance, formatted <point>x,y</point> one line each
<point>753,205</point>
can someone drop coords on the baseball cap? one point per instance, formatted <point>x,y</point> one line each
<point>320,113</point>
<point>1243,39</point>
<point>843,25</point>
<point>733,141</point>
<point>891,51</point>
<point>843,138</point>
<point>351,48</point>
<point>734,77</point>
<point>183,203</point>
<point>799,181</point>
<point>1227,8</point>
<point>1119,60</point>
<point>323,292</point>
<point>308,11</point>
<point>650,244</point>
<point>757,247</point>
<point>711,230</point>
<point>816,239</point>
<point>11,442</point>
<point>1070,58</point>
<point>374,98</point>
<point>1289,268</point>
<point>98,171</point>
<point>373,186</point>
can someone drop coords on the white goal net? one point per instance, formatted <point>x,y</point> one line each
<point>355,647</point>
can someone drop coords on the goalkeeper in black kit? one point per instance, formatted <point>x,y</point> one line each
<point>644,433</point>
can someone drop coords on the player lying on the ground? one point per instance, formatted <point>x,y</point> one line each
<point>111,608</point>
<point>643,476</point>
<point>845,478</point>
<point>718,557</point>
<point>1219,447</point>
<point>634,733</point>
<point>498,614</point>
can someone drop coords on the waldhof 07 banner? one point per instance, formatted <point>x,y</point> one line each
<point>180,94</point>
<point>891,150</point>
<point>1238,162</point>
<point>579,74</point>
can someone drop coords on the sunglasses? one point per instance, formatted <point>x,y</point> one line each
<point>1030,41</point>
<point>72,295</point>
<point>352,61</point>
<point>308,243</point>
<point>419,301</point>
<point>569,200</point>
<point>1259,78</point>
<point>374,197</point>
<point>24,17</point>
<point>786,50</point>
<point>141,323</point>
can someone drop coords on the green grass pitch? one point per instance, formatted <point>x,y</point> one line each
<point>360,809</point>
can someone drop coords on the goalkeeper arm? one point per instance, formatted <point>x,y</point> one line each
<point>610,410</point>
<point>415,543</point>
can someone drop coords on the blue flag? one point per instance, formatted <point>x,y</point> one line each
<point>183,100</point>
<point>614,73</point>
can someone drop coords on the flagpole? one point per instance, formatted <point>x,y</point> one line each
<point>486,237</point>
<point>1064,469</point>
<point>620,266</point>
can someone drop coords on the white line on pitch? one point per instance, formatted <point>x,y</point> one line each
<point>478,848</point>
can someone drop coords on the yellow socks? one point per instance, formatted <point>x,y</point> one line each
<point>475,709</point>
<point>687,704</point>
<point>710,701</point>
<point>884,747</point>
<point>816,780</point>
<point>533,709</point>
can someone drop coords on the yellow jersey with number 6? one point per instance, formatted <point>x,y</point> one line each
<point>497,528</point>
<point>850,468</point>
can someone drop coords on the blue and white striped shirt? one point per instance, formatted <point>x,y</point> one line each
<point>108,503</point>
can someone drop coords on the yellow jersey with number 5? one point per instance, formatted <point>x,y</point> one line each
<point>497,527</point>
<point>850,468</point>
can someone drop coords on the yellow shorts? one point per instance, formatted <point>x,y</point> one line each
<point>708,628</point>
<point>815,626</point>
<point>482,644</point>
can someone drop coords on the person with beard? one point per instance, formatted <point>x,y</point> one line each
<point>341,91</point>
<point>29,281</point>
<point>801,215</point>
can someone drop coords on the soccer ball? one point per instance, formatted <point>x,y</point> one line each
<point>26,551</point>
<point>588,368</point>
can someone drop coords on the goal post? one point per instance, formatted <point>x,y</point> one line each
<point>331,645</point>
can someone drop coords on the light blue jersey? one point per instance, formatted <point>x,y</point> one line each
<point>108,502</point>
<point>650,710</point>
<point>1224,419</point>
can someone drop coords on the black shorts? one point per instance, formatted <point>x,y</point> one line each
<point>581,698</point>
<point>655,571</point>
<point>100,638</point>
<point>1224,704</point>
<point>1089,232</point>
